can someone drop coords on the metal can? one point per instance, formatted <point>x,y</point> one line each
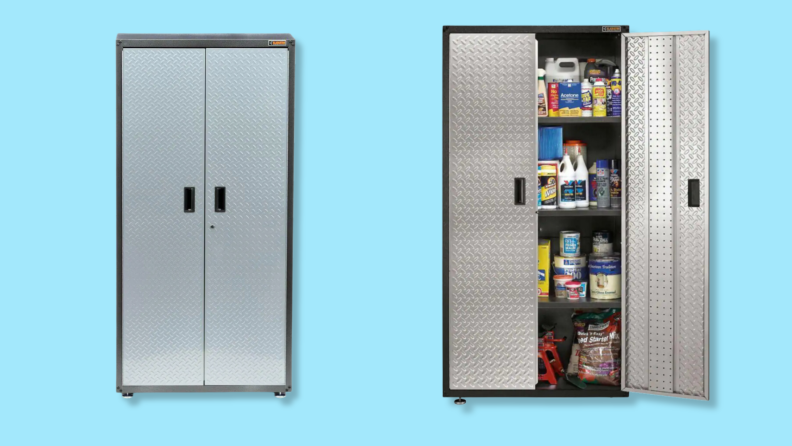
<point>602,242</point>
<point>569,244</point>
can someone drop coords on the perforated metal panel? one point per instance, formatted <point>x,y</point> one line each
<point>247,153</point>
<point>162,255</point>
<point>666,248</point>
<point>492,241</point>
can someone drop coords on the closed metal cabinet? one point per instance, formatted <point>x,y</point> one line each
<point>162,96</point>
<point>247,103</point>
<point>205,164</point>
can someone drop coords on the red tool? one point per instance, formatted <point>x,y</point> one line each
<point>547,347</point>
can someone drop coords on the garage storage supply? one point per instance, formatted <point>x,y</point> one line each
<point>585,99</point>
<point>592,186</point>
<point>599,338</point>
<point>602,242</point>
<point>605,277</point>
<point>581,181</point>
<point>566,184</point>
<point>490,128</point>
<point>603,184</point>
<point>599,97</point>
<point>569,242</point>
<point>552,99</point>
<point>616,92</point>
<point>548,184</point>
<point>573,289</point>
<point>541,99</point>
<point>579,273</point>
<point>544,267</point>
<point>573,147</point>
<point>560,285</point>
<point>205,153</point>
<point>615,184</point>
<point>551,143</point>
<point>563,69</point>
<point>569,102</point>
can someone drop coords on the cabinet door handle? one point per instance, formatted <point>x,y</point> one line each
<point>189,199</point>
<point>519,191</point>
<point>220,199</point>
<point>694,194</point>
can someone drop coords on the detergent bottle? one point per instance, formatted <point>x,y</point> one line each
<point>567,183</point>
<point>581,181</point>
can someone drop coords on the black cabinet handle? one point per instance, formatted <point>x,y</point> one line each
<point>189,199</point>
<point>519,191</point>
<point>694,194</point>
<point>220,204</point>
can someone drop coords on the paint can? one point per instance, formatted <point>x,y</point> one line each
<point>605,277</point>
<point>563,262</point>
<point>602,243</point>
<point>560,285</point>
<point>569,243</point>
<point>573,289</point>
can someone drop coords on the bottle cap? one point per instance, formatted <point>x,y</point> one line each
<point>602,164</point>
<point>615,164</point>
<point>591,60</point>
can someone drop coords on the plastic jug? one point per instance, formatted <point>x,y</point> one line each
<point>566,183</point>
<point>561,69</point>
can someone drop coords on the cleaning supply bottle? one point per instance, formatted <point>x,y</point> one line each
<point>566,181</point>
<point>541,89</point>
<point>592,71</point>
<point>616,92</point>
<point>592,185</point>
<point>599,99</point>
<point>603,184</point>
<point>615,184</point>
<point>581,181</point>
<point>585,98</point>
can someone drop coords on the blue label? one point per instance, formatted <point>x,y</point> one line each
<point>580,190</point>
<point>542,275</point>
<point>570,245</point>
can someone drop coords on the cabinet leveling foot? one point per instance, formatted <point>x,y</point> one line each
<point>126,395</point>
<point>459,401</point>
<point>280,395</point>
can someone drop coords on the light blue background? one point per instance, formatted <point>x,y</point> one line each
<point>367,289</point>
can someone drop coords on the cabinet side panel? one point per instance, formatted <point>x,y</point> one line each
<point>246,251</point>
<point>162,153</point>
<point>692,234</point>
<point>637,209</point>
<point>492,241</point>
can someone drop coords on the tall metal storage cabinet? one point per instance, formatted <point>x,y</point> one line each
<point>491,313</point>
<point>205,138</point>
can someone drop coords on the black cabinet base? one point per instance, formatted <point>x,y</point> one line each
<point>201,389</point>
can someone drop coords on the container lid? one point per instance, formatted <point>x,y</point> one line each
<point>562,277</point>
<point>573,142</point>
<point>572,284</point>
<point>591,60</point>
<point>602,164</point>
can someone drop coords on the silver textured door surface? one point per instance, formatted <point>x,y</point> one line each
<point>492,241</point>
<point>247,104</point>
<point>162,245</point>
<point>666,281</point>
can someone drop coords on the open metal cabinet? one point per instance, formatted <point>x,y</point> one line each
<point>491,313</point>
<point>205,143</point>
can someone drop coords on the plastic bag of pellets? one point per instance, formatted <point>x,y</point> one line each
<point>598,336</point>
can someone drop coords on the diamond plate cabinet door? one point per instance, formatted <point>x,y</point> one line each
<point>667,237</point>
<point>247,119</point>
<point>492,242</point>
<point>162,132</point>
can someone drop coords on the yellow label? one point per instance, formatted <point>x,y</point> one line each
<point>544,267</point>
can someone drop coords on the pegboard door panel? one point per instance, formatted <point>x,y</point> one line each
<point>247,122</point>
<point>666,147</point>
<point>492,239</point>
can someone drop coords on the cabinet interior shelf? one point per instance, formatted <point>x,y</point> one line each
<point>561,302</point>
<point>579,212</point>
<point>581,120</point>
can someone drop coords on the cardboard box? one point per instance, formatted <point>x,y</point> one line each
<point>545,274</point>
<point>552,99</point>
<point>569,101</point>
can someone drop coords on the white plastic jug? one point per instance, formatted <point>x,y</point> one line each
<point>561,69</point>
